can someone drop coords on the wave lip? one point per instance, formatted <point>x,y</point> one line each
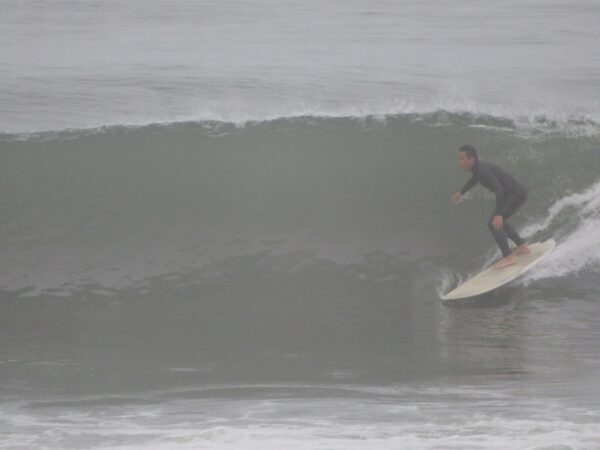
<point>540,125</point>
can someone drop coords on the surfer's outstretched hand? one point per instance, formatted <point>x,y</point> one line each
<point>456,197</point>
<point>498,222</point>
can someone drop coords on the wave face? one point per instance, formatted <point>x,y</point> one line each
<point>117,207</point>
<point>240,278</point>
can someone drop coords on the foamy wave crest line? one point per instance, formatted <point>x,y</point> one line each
<point>540,125</point>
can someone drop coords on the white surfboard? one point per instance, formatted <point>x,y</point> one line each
<point>490,278</point>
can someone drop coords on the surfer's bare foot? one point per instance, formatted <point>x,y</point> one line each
<point>505,262</point>
<point>521,250</point>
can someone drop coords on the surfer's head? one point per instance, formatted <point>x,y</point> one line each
<point>467,157</point>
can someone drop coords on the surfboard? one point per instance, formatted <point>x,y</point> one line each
<point>490,278</point>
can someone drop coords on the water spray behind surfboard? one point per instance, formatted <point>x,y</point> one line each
<point>576,219</point>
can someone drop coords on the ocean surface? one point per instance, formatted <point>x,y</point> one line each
<point>227,224</point>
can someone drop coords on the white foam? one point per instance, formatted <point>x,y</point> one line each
<point>365,419</point>
<point>577,253</point>
<point>578,248</point>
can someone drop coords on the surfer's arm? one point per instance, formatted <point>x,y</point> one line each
<point>469,185</point>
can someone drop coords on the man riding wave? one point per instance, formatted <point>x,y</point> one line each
<point>510,196</point>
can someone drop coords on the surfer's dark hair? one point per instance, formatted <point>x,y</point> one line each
<point>470,151</point>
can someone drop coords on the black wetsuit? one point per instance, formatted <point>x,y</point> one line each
<point>510,195</point>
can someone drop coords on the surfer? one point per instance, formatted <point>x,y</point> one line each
<point>510,196</point>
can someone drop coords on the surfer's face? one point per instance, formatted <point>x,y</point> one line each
<point>464,161</point>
